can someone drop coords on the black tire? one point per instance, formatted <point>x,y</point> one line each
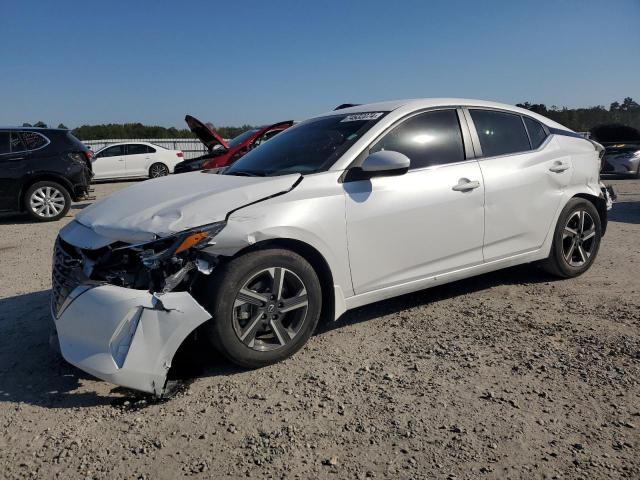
<point>158,170</point>
<point>561,258</point>
<point>47,201</point>
<point>218,294</point>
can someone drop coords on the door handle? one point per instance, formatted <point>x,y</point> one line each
<point>464,185</point>
<point>559,167</point>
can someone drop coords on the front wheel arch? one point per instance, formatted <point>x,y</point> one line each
<point>45,177</point>
<point>315,259</point>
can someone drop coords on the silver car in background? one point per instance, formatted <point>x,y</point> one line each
<point>622,159</point>
<point>339,211</point>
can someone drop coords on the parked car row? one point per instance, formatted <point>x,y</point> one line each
<point>42,170</point>
<point>344,209</point>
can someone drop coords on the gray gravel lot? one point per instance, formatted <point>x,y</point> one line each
<point>509,375</point>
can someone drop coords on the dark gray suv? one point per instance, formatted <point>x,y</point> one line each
<point>42,171</point>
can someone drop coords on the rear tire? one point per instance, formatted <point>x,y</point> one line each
<point>576,240</point>
<point>158,170</point>
<point>265,305</point>
<point>47,201</point>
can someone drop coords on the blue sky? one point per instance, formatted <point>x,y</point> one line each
<point>255,62</point>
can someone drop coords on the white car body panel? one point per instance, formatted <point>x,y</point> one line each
<point>131,336</point>
<point>419,239</point>
<point>522,197</point>
<point>132,165</point>
<point>195,199</point>
<point>108,167</point>
<point>379,238</point>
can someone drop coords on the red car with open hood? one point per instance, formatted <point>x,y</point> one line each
<point>222,153</point>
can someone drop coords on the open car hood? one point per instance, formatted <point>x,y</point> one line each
<point>205,132</point>
<point>167,205</point>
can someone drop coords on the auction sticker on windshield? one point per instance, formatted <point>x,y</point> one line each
<point>358,117</point>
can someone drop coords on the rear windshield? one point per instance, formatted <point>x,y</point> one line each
<point>309,147</point>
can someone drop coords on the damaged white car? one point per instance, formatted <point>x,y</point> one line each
<point>339,211</point>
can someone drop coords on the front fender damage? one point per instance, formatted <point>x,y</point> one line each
<point>128,337</point>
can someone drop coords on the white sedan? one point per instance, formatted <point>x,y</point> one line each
<point>134,160</point>
<point>339,211</point>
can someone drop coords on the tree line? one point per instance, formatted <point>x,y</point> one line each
<point>138,131</point>
<point>623,114</point>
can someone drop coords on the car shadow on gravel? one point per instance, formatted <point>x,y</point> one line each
<point>30,371</point>
<point>518,275</point>
<point>625,212</point>
<point>197,359</point>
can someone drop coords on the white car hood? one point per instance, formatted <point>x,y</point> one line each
<point>168,205</point>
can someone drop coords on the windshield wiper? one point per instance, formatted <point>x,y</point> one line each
<point>247,173</point>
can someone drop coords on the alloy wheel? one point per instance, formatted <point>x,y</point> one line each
<point>47,202</point>
<point>270,309</point>
<point>158,171</point>
<point>579,238</point>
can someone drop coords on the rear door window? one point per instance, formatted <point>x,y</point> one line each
<point>537,134</point>
<point>500,133</point>
<point>430,138</point>
<point>137,149</point>
<point>33,140</point>
<point>5,146</point>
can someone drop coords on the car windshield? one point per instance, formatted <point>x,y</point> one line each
<point>238,140</point>
<point>311,146</point>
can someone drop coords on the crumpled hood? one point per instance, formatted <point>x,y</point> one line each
<point>171,204</point>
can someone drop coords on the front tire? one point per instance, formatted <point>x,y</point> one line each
<point>47,201</point>
<point>265,305</point>
<point>158,170</point>
<point>576,240</point>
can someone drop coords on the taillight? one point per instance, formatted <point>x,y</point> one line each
<point>179,154</point>
<point>88,154</point>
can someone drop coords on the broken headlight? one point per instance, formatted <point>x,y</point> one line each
<point>170,260</point>
<point>154,253</point>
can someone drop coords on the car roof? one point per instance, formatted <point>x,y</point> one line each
<point>33,129</point>
<point>132,142</point>
<point>420,103</point>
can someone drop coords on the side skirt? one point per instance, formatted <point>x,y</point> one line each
<point>396,290</point>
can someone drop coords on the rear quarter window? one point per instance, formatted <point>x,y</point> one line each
<point>33,140</point>
<point>537,134</point>
<point>500,133</point>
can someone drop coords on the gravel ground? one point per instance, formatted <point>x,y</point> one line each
<point>509,375</point>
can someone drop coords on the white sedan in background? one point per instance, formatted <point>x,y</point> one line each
<point>134,160</point>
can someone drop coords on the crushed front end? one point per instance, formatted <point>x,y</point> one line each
<point>120,310</point>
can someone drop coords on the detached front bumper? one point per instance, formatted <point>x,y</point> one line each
<point>124,336</point>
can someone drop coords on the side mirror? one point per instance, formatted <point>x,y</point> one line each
<point>384,163</point>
